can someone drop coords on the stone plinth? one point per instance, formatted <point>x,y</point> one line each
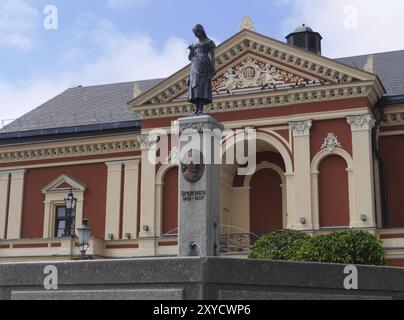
<point>199,184</point>
<point>209,278</point>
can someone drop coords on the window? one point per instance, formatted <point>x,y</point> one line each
<point>60,221</point>
<point>55,211</point>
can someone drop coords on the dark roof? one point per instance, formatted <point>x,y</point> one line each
<point>84,106</point>
<point>303,28</point>
<point>389,66</point>
<point>74,132</point>
<point>105,104</point>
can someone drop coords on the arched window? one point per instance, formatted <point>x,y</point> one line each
<point>266,202</point>
<point>333,192</point>
<point>170,202</point>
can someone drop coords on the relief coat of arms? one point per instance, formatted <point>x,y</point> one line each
<point>252,73</point>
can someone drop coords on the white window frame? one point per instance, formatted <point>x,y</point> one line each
<point>54,197</point>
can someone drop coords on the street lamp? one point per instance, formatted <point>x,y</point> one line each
<point>70,204</point>
<point>84,234</point>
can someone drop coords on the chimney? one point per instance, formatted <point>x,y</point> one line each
<point>305,38</point>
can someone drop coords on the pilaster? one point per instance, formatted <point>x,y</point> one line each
<point>130,205</point>
<point>4,187</point>
<point>113,206</point>
<point>16,204</point>
<point>302,177</point>
<point>363,176</point>
<point>148,228</point>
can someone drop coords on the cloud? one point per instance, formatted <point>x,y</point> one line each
<point>16,40</point>
<point>17,21</point>
<point>16,99</point>
<point>125,56</point>
<point>121,58</point>
<point>128,58</point>
<point>120,4</point>
<point>349,27</point>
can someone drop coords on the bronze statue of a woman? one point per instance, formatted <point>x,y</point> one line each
<point>202,57</point>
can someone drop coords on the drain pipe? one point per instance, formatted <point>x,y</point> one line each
<point>382,168</point>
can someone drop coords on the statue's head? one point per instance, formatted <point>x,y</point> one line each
<point>199,31</point>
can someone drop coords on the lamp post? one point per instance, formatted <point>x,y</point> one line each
<point>70,203</point>
<point>84,234</point>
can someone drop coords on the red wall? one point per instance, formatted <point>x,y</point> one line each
<point>396,263</point>
<point>333,192</point>
<point>266,202</point>
<point>94,176</point>
<point>392,152</point>
<point>321,129</point>
<point>170,201</point>
<point>267,156</point>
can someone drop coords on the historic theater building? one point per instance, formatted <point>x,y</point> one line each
<point>330,153</point>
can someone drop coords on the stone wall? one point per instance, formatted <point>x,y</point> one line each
<point>195,279</point>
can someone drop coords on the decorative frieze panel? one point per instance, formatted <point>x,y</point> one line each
<point>253,73</point>
<point>362,122</point>
<point>394,118</point>
<point>69,151</point>
<point>331,142</point>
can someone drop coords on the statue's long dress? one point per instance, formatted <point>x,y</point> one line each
<point>201,73</point>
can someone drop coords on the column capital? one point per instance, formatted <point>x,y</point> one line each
<point>18,174</point>
<point>301,128</point>
<point>147,141</point>
<point>114,166</point>
<point>132,164</point>
<point>364,122</point>
<point>4,176</point>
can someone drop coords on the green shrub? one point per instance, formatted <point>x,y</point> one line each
<point>346,247</point>
<point>279,245</point>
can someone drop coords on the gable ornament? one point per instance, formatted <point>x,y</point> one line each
<point>247,24</point>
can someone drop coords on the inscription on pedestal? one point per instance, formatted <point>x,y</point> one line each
<point>193,195</point>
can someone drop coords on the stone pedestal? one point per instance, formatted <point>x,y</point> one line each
<point>199,186</point>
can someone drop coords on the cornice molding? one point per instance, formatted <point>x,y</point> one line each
<point>261,99</point>
<point>394,119</point>
<point>54,186</point>
<point>68,151</point>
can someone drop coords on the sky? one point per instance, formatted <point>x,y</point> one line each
<point>49,46</point>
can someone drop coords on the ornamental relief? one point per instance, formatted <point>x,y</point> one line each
<point>147,141</point>
<point>361,122</point>
<point>252,73</point>
<point>331,142</point>
<point>301,128</point>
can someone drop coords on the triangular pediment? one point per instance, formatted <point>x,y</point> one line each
<point>64,183</point>
<point>252,73</point>
<point>250,61</point>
